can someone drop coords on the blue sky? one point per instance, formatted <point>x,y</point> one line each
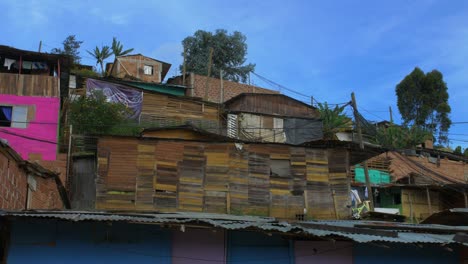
<point>325,49</point>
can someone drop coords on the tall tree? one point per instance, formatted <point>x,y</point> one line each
<point>117,48</point>
<point>71,47</point>
<point>423,101</point>
<point>229,54</point>
<point>465,153</point>
<point>101,55</point>
<point>458,150</point>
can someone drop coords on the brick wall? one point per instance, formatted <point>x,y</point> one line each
<point>46,195</point>
<point>13,184</point>
<point>231,89</point>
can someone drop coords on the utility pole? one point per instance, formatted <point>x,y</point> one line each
<point>221,95</point>
<point>361,145</point>
<point>208,75</point>
<point>40,46</point>
<point>391,115</point>
<point>183,69</point>
<point>312,101</point>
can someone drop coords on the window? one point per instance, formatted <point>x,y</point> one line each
<point>148,70</point>
<point>5,116</point>
<point>13,116</point>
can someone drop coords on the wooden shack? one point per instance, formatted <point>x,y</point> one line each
<point>158,108</point>
<point>272,118</point>
<point>422,182</point>
<point>199,173</point>
<point>138,67</point>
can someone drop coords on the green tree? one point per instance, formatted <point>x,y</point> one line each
<point>465,153</point>
<point>458,150</point>
<point>334,120</point>
<point>401,137</point>
<point>423,101</point>
<point>93,114</point>
<point>101,55</point>
<point>71,47</point>
<point>117,48</point>
<point>229,54</point>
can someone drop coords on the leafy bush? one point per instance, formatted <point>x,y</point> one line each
<point>93,114</point>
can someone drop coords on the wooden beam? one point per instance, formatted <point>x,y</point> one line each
<point>428,193</point>
<point>208,74</point>
<point>361,145</point>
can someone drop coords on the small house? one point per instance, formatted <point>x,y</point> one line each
<point>138,68</point>
<point>272,118</point>
<point>30,89</point>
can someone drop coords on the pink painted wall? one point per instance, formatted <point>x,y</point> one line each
<point>46,111</point>
<point>326,252</point>
<point>198,246</point>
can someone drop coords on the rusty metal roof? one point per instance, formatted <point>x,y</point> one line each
<point>358,231</point>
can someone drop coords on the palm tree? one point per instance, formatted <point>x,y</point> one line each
<point>117,48</point>
<point>101,55</point>
<point>334,120</point>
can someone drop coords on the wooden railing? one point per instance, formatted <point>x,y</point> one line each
<point>29,85</point>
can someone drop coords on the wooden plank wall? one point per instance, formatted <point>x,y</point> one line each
<point>415,205</point>
<point>164,109</point>
<point>29,85</point>
<point>152,175</point>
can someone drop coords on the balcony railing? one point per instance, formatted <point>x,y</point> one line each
<point>29,85</point>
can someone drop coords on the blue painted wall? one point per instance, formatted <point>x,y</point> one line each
<point>49,241</point>
<point>250,247</point>
<point>405,253</point>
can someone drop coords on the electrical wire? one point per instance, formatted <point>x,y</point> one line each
<point>28,137</point>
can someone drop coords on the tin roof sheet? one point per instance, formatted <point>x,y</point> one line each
<point>352,230</point>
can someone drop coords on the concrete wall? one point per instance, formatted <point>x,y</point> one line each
<point>40,134</point>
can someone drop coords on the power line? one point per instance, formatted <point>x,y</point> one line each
<point>27,137</point>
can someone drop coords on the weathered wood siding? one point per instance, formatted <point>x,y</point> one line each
<point>29,85</point>
<point>151,174</point>
<point>271,104</point>
<point>171,110</point>
<point>415,205</point>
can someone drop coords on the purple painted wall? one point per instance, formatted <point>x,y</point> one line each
<point>198,246</point>
<point>43,126</point>
<point>323,252</point>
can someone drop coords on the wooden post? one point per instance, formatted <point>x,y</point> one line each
<point>428,193</point>
<point>391,115</point>
<point>410,199</point>
<point>183,68</point>
<point>20,64</point>
<point>361,145</point>
<point>208,74</point>
<point>466,199</point>
<point>221,95</point>
<point>192,83</point>
<point>67,176</point>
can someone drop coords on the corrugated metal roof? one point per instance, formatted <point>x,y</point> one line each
<point>396,232</point>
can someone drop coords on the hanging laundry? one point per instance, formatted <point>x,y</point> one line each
<point>8,63</point>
